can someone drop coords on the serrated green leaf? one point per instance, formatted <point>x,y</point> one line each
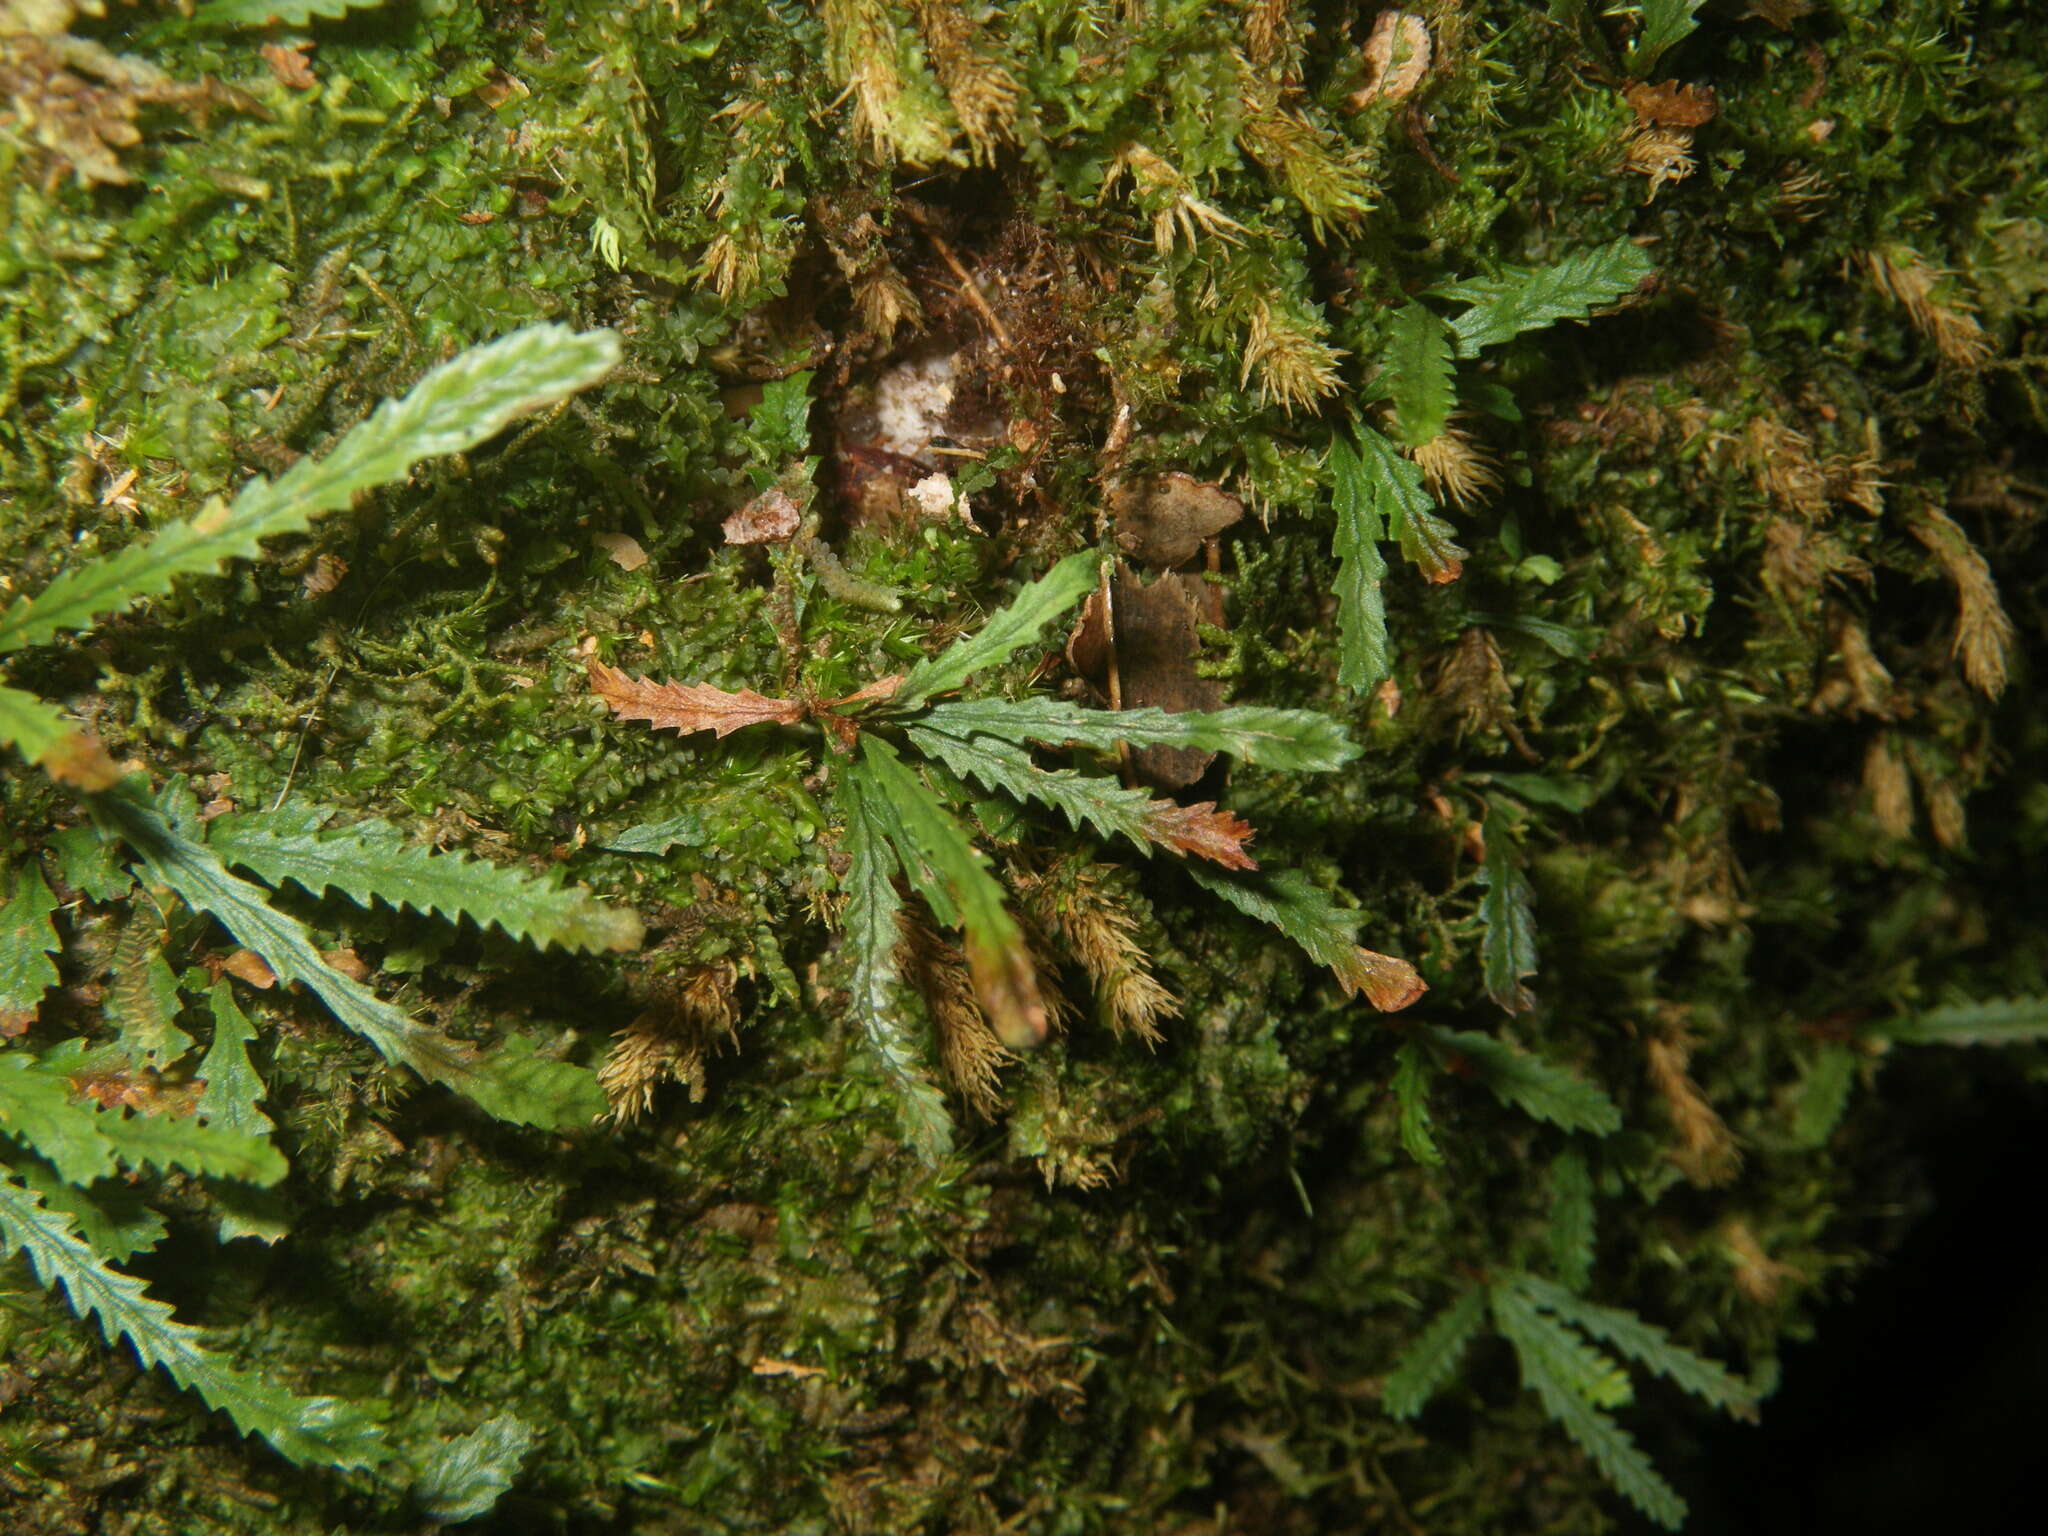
<point>179,1141</point>
<point>1413,1071</point>
<point>1395,485</point>
<point>1432,1359</point>
<point>1415,373</point>
<point>1572,1229</point>
<point>461,403</point>
<point>1327,932</point>
<point>1003,633</point>
<point>41,734</point>
<point>510,1082</point>
<point>320,1431</point>
<point>373,860</point>
<point>111,1215</point>
<point>1572,644</point>
<point>27,941</point>
<point>232,1090</point>
<point>38,1110</point>
<point>1645,1343</point>
<point>287,13</point>
<point>1364,653</point>
<point>86,861</point>
<point>875,995</point>
<point>466,1476</point>
<point>2006,1021</point>
<point>1286,740</point>
<point>941,863</point>
<point>1566,792</point>
<point>1530,298</point>
<point>1664,24</point>
<point>1508,949</point>
<point>1087,800</point>
<point>688,829</point>
<point>1824,1095</point>
<point>1531,1084</point>
<point>1552,1364</point>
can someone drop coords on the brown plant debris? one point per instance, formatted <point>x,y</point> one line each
<point>686,707</point>
<point>1095,924</point>
<point>969,1052</point>
<point>1672,105</point>
<point>1141,648</point>
<point>1889,786</point>
<point>693,1012</point>
<point>1396,58</point>
<point>984,94</point>
<point>1933,301</point>
<point>1706,1152</point>
<point>1164,520</point>
<point>770,518</point>
<point>1984,633</point>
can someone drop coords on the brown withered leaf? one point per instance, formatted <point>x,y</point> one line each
<point>1672,105</point>
<point>623,548</point>
<point>770,518</point>
<point>1164,519</point>
<point>1152,644</point>
<point>82,762</point>
<point>686,707</point>
<point>1389,984</point>
<point>1006,983</point>
<point>247,965</point>
<point>289,64</point>
<point>1201,830</point>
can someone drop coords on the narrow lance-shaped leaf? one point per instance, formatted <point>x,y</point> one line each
<point>1531,1084</point>
<point>1432,1359</point>
<point>1546,1354</point>
<point>1288,740</point>
<point>27,941</point>
<point>1572,1217</point>
<point>2006,1021</point>
<point>1530,298</point>
<point>457,406</point>
<point>375,861</point>
<point>1364,653</point>
<point>940,860</point>
<point>1005,632</point>
<point>874,993</point>
<point>1325,931</point>
<point>510,1082</point>
<point>1508,949</point>
<point>1412,1073</point>
<point>687,707</point>
<point>317,1430</point>
<point>1395,484</point>
<point>232,1086</point>
<point>1415,372</point>
<point>1098,802</point>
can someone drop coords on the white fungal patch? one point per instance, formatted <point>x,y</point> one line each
<point>911,401</point>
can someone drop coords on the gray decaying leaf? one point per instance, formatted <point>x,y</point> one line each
<point>1154,651</point>
<point>1163,519</point>
<point>770,518</point>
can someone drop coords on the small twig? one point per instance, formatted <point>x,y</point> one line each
<point>968,286</point>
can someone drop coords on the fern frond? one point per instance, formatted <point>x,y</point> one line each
<point>1530,298</point>
<point>1553,1365</point>
<point>27,941</point>
<point>1364,653</point>
<point>1572,1233</point>
<point>369,861</point>
<point>875,992</point>
<point>1412,1072</point>
<point>1415,373</point>
<point>941,864</point>
<point>1290,902</point>
<point>232,1086</point>
<point>1289,740</point>
<point>1645,1343</point>
<point>1086,799</point>
<point>1005,632</point>
<point>510,1082</point>
<point>458,405</point>
<point>110,1215</point>
<point>1432,1359</point>
<point>1395,485</point>
<point>321,1431</point>
<point>2008,1021</point>
<point>1531,1084</point>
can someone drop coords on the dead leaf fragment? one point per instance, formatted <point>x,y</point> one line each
<point>1203,830</point>
<point>768,1367</point>
<point>80,761</point>
<point>1672,105</point>
<point>247,965</point>
<point>322,577</point>
<point>1164,519</point>
<point>624,549</point>
<point>770,518</point>
<point>1389,984</point>
<point>1396,59</point>
<point>686,707</point>
<point>288,63</point>
<point>1155,643</point>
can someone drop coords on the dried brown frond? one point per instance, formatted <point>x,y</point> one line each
<point>1664,155</point>
<point>1473,680</point>
<point>1097,927</point>
<point>1296,367</point>
<point>1395,58</point>
<point>692,1013</point>
<point>1856,479</point>
<point>1798,557</point>
<point>1176,212</point>
<point>1757,1275</point>
<point>984,94</point>
<point>687,707</point>
<point>1785,469</point>
<point>730,266</point>
<point>969,1052</point>
<point>1984,633</point>
<point>1933,301</point>
<point>1706,1152</point>
<point>1888,785</point>
<point>1457,469</point>
<point>1858,683</point>
<point>1271,41</point>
